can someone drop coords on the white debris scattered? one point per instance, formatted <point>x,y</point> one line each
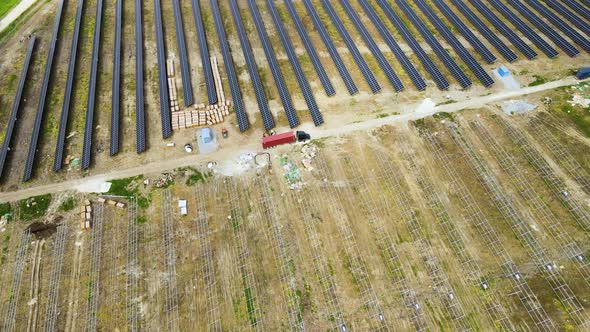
<point>579,100</point>
<point>511,107</point>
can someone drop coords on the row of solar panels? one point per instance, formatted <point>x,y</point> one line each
<point>535,12</point>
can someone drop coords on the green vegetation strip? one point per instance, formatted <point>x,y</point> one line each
<point>6,6</point>
<point>34,207</point>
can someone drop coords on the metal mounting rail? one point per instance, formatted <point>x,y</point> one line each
<point>487,232</point>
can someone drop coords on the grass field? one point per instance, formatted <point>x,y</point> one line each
<point>7,5</point>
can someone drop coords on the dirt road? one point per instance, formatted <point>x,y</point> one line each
<point>325,131</point>
<point>15,12</point>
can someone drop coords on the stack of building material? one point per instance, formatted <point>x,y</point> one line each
<point>217,78</point>
<point>111,202</point>
<point>174,105</point>
<point>200,115</point>
<point>85,215</point>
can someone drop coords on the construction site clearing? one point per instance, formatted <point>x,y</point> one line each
<point>314,196</point>
<point>472,220</point>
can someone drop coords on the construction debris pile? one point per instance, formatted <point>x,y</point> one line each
<point>201,114</point>
<point>309,152</point>
<point>163,181</point>
<point>579,100</point>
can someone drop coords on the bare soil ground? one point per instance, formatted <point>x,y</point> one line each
<point>258,239</point>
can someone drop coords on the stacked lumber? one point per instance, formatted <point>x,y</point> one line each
<point>217,78</point>
<point>172,92</point>
<point>85,215</point>
<point>111,202</point>
<point>199,115</point>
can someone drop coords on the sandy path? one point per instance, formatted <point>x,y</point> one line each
<point>233,153</point>
<point>15,12</point>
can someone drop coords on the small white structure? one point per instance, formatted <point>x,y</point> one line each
<point>182,204</point>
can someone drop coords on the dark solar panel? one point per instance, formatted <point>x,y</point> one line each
<point>313,55</point>
<point>187,88</point>
<point>41,107</point>
<point>162,73</point>
<point>274,66</point>
<point>204,49</point>
<point>569,15</point>
<point>267,119</point>
<point>356,54</point>
<point>116,93</point>
<point>503,29</point>
<point>393,45</point>
<point>568,48</point>
<point>375,51</point>
<point>434,72</point>
<point>525,29</point>
<point>475,67</point>
<point>140,140</point>
<point>434,44</point>
<point>314,110</point>
<point>338,62</point>
<point>16,105</point>
<point>90,107</point>
<point>485,31</point>
<point>561,25</point>
<point>65,111</point>
<point>229,69</point>
<point>458,23</point>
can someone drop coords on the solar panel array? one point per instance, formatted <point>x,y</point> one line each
<point>319,26</point>
<point>187,88</point>
<point>162,73</point>
<point>432,69</point>
<point>503,28</point>
<point>41,107</point>
<point>395,48</point>
<point>545,28</point>
<point>542,15</point>
<point>204,49</point>
<point>475,67</point>
<point>377,54</point>
<point>569,15</point>
<point>273,64</point>
<point>485,31</point>
<point>313,55</point>
<point>140,140</point>
<point>312,105</point>
<point>267,119</point>
<point>561,25</point>
<point>525,29</point>
<point>435,45</point>
<point>356,54</point>
<point>16,105</point>
<point>477,45</point>
<point>65,111</point>
<point>90,107</point>
<point>578,8</point>
<point>116,95</point>
<point>229,69</point>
